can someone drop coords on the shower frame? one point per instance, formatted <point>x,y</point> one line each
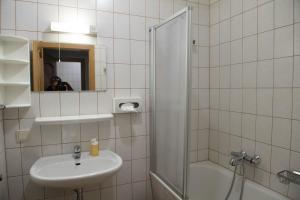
<point>187,119</point>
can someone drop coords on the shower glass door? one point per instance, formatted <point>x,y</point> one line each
<point>170,100</point>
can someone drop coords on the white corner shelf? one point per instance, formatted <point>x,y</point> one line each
<point>73,119</point>
<point>15,88</point>
<point>13,39</point>
<point>14,83</point>
<point>17,106</point>
<point>14,61</point>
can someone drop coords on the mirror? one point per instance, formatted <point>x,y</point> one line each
<point>63,66</point>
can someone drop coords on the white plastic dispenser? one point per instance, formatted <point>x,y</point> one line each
<point>127,105</point>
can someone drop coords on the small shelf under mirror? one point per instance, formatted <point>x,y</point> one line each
<point>73,119</point>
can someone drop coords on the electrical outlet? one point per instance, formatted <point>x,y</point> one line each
<point>22,135</point>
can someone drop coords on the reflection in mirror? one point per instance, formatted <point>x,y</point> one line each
<point>66,70</point>
<point>65,67</point>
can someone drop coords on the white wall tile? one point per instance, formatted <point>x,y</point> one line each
<point>203,14</point>
<point>248,126</point>
<point>67,14</point>
<point>250,22</point>
<point>137,27</point>
<point>124,175</point>
<point>88,131</point>
<point>265,102</point>
<point>224,9</point>
<point>29,156</point>
<point>137,50</point>
<point>282,103</point>
<point>121,51</point>
<point>283,12</point>
<point>264,151</point>
<point>225,31</point>
<point>281,135</point>
<point>51,134</point>
<point>280,159</point>
<point>236,123</point>
<point>266,17</point>
<point>296,103</point>
<point>249,75</point>
<point>283,72</point>
<point>26,16</point>
<point>69,103</point>
<point>297,39</point>
<point>250,49</point>
<point>283,41</point>
<point>264,129</point>
<point>236,7</point>
<point>10,127</point>
<point>68,3</point>
<point>295,145</point>
<point>165,9</point>
<point>88,4</point>
<point>237,51</point>
<point>121,6</point>
<point>296,11</point>
<point>265,45</point>
<point>35,132</point>
<point>105,5</point>
<point>137,7</point>
<point>8,12</point>
<point>123,148</point>
<point>105,24</point>
<point>152,8</point>
<point>50,104</point>
<point>121,26</point>
<point>236,27</point>
<point>265,73</point>
<point>88,103</point>
<point>46,14</point>
<point>13,162</point>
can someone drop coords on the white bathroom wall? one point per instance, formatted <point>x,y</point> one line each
<point>254,86</point>
<point>123,29</point>
<point>3,183</point>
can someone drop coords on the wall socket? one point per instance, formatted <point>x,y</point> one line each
<point>22,135</point>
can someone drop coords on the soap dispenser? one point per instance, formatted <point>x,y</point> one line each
<point>94,147</point>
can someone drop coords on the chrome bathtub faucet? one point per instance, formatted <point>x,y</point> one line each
<point>238,157</point>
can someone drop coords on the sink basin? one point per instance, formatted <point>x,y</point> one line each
<point>61,171</point>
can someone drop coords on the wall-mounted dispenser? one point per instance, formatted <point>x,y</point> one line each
<point>127,104</point>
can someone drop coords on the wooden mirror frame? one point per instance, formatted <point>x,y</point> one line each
<point>38,63</point>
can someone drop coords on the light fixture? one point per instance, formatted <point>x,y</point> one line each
<point>70,28</point>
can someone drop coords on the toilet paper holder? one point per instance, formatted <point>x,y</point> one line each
<point>127,105</point>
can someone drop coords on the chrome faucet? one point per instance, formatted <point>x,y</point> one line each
<point>238,157</point>
<point>77,152</point>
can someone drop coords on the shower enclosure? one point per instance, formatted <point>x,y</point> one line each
<point>170,102</point>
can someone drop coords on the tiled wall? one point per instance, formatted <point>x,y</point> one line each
<point>122,28</point>
<point>254,86</point>
<point>3,183</point>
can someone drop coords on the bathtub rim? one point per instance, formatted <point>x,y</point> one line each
<point>226,171</point>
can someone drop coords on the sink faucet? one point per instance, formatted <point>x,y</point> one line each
<point>77,152</point>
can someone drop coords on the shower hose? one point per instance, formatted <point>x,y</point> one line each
<point>233,180</point>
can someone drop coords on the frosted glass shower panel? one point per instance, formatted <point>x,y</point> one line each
<point>171,99</point>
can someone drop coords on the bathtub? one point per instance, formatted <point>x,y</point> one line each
<point>209,181</point>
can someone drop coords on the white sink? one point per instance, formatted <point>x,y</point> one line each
<point>62,172</point>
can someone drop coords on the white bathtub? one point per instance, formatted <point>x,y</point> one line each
<point>209,181</point>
